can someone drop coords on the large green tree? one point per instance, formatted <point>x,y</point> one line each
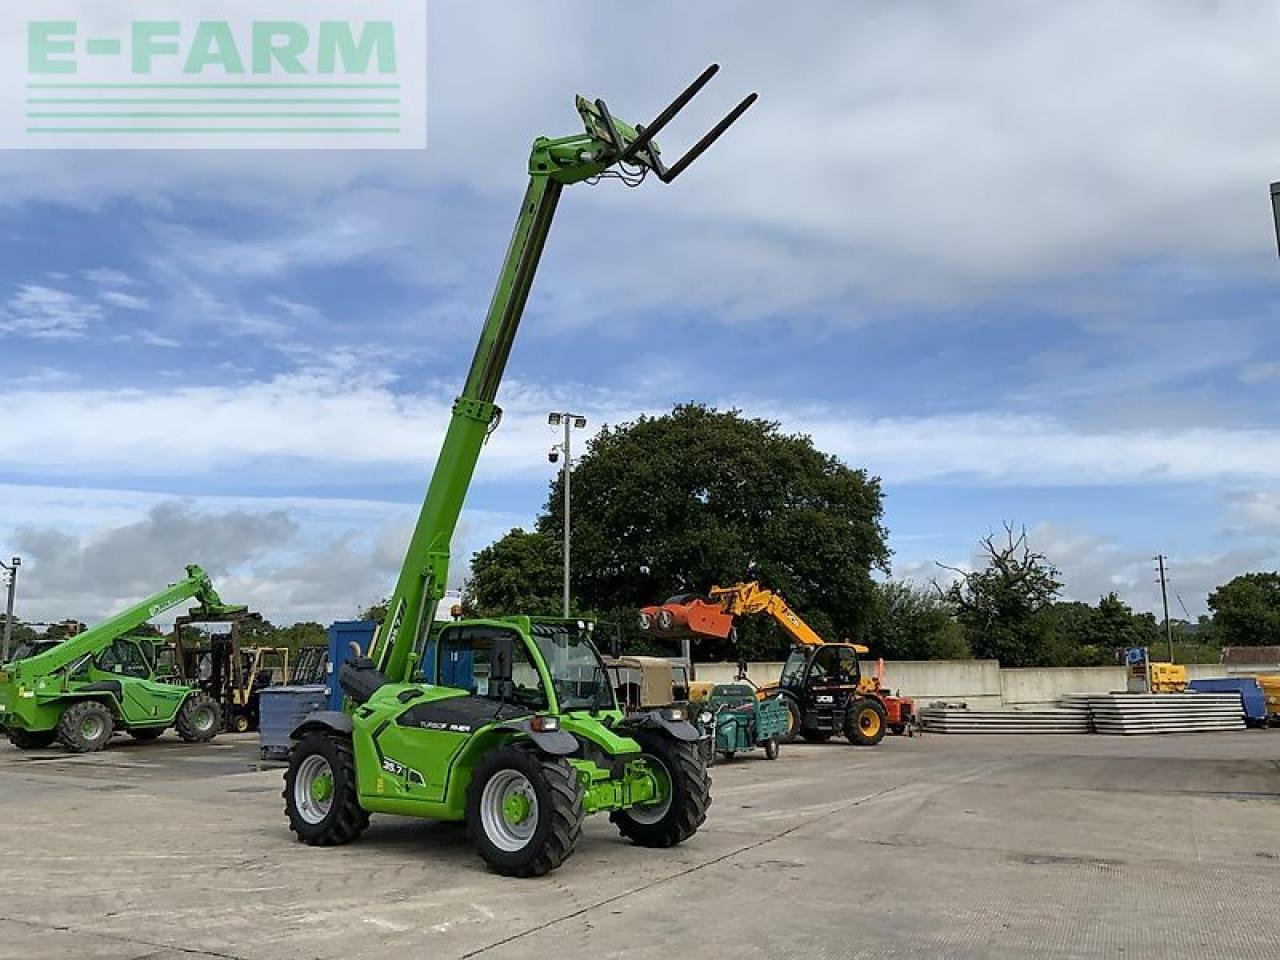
<point>1001,606</point>
<point>522,572</point>
<point>676,503</point>
<point>1246,610</point>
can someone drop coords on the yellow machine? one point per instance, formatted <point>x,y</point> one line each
<point>822,683</point>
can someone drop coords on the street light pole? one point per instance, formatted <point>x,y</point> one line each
<point>12,569</point>
<point>570,422</point>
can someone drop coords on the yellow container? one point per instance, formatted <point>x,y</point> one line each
<point>1270,684</point>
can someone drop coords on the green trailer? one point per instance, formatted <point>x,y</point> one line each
<point>81,690</point>
<point>744,721</point>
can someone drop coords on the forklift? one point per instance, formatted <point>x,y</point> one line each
<point>228,671</point>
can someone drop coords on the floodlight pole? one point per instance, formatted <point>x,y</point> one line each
<point>12,569</point>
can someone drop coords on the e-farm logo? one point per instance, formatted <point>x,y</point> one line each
<point>203,74</point>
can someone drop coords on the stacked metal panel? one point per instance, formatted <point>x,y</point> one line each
<point>955,718</point>
<point>1129,713</point>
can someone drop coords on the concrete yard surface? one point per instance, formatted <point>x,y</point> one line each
<point>941,846</point>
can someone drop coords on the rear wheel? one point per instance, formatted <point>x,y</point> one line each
<point>31,739</point>
<point>86,726</point>
<point>320,795</point>
<point>198,719</point>
<point>771,749</point>
<point>524,812</point>
<point>239,723</point>
<point>866,723</point>
<point>683,798</point>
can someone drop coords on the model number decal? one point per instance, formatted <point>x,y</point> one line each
<point>397,769</point>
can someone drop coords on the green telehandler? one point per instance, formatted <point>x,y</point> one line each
<point>509,724</point>
<point>81,690</point>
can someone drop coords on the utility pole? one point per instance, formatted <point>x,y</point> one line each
<point>1164,597</point>
<point>571,421</point>
<point>12,569</point>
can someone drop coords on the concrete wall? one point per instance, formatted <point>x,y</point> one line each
<point>1044,685</point>
<point>982,683</point>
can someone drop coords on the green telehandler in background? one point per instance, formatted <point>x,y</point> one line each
<point>80,690</point>
<point>510,724</point>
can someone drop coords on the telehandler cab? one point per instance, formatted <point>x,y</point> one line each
<point>81,690</point>
<point>510,724</point>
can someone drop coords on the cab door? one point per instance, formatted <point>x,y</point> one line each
<point>421,746</point>
<point>143,701</point>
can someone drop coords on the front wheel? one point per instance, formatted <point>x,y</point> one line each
<point>771,748</point>
<point>524,812</point>
<point>795,721</point>
<point>320,796</point>
<point>866,723</point>
<point>31,739</point>
<point>198,719</point>
<point>239,723</point>
<point>86,726</point>
<point>684,793</point>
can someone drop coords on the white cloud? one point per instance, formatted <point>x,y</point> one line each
<point>107,277</point>
<point>45,313</point>
<point>126,301</point>
<point>341,421</point>
<point>1254,512</point>
<point>88,552</point>
<point>1260,372</point>
<point>912,153</point>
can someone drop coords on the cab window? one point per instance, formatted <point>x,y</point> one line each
<point>834,665</point>
<point>124,658</point>
<point>466,662</point>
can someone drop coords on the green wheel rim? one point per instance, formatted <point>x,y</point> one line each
<point>91,727</point>
<point>313,789</point>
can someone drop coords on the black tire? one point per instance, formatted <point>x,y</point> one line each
<point>686,809</point>
<point>556,814</point>
<point>343,819</point>
<point>817,736</point>
<point>771,749</point>
<point>239,723</point>
<point>795,721</point>
<point>199,719</point>
<point>146,734</point>
<point>86,726</point>
<point>31,739</point>
<point>865,724</point>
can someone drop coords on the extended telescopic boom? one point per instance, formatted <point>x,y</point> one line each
<point>197,586</point>
<point>553,164</point>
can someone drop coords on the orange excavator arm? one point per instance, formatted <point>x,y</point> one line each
<point>713,615</point>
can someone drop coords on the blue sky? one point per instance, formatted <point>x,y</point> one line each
<point>1019,266</point>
